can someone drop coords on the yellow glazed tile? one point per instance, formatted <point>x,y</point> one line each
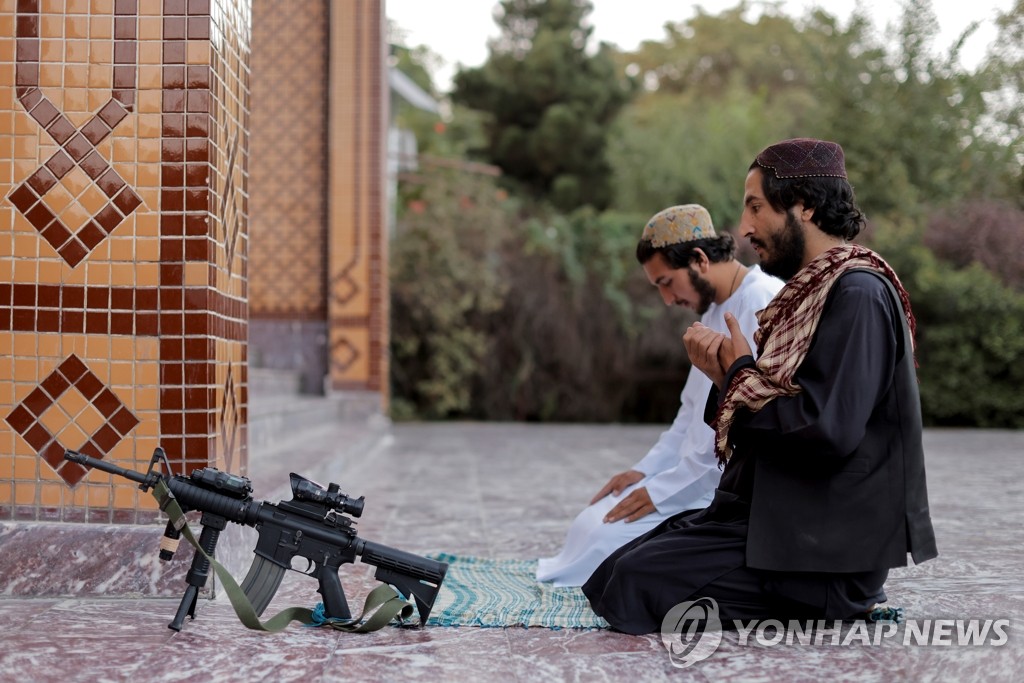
<point>90,420</point>
<point>92,199</point>
<point>25,346</point>
<point>98,496</point>
<point>148,176</point>
<point>76,100</point>
<point>99,271</point>
<point>73,403</point>
<point>147,374</point>
<point>150,101</point>
<point>147,225</point>
<point>150,77</point>
<point>101,28</point>
<point>97,350</point>
<point>76,181</point>
<point>58,423</point>
<point>51,50</point>
<point>150,28</point>
<point>21,448</point>
<point>147,274</point>
<point>24,494</point>
<point>149,151</point>
<point>75,216</point>
<point>101,76</point>
<point>122,375</point>
<point>51,25</point>
<point>50,495</point>
<point>123,150</point>
<point>97,99</point>
<point>74,52</point>
<point>76,276</point>
<point>50,271</point>
<point>125,497</point>
<point>72,434</point>
<point>197,52</point>
<point>148,125</point>
<point>76,76</point>
<point>122,250</point>
<point>79,495</point>
<point>101,52</point>
<point>50,76</point>
<point>49,345</point>
<point>26,246</point>
<point>122,274</point>
<point>77,27</point>
<point>196,275</point>
<point>58,198</point>
<point>104,148</point>
<point>74,344</point>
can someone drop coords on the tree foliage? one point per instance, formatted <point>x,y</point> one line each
<point>534,308</point>
<point>548,102</point>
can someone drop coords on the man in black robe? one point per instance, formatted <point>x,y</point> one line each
<point>823,488</point>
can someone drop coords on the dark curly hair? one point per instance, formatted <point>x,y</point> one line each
<point>681,255</point>
<point>833,201</point>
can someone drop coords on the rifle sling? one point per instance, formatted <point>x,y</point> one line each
<point>384,601</point>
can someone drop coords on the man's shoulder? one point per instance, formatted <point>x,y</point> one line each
<point>864,285</point>
<point>761,284</point>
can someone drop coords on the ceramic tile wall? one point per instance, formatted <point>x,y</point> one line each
<point>357,270</point>
<point>318,239</point>
<point>123,205</point>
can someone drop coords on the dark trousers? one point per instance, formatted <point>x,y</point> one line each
<point>704,556</point>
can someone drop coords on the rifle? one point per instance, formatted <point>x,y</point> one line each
<point>313,525</point>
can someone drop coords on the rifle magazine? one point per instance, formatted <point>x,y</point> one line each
<point>262,582</point>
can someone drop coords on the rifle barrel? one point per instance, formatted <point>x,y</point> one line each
<point>82,459</point>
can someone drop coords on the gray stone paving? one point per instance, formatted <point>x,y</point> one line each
<point>510,490</point>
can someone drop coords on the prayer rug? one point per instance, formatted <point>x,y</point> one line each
<point>489,593</point>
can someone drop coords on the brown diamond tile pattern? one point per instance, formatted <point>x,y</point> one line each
<point>229,213</point>
<point>77,146</point>
<point>27,418</point>
<point>229,418</point>
<point>288,160</point>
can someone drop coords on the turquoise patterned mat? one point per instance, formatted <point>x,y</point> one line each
<point>483,592</point>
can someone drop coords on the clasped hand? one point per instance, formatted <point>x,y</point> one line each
<point>713,353</point>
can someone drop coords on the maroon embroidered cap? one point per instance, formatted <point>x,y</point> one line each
<point>804,158</point>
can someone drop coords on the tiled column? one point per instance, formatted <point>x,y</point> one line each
<point>288,176</point>
<point>357,233</point>
<point>123,148</point>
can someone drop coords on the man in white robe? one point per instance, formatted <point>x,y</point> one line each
<point>693,267</point>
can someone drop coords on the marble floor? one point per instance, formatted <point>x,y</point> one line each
<point>509,491</point>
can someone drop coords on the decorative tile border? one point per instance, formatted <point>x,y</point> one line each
<point>78,145</point>
<point>27,417</point>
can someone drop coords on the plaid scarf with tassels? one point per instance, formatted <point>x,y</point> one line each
<point>786,328</point>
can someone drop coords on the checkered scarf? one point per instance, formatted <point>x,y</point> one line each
<point>786,328</point>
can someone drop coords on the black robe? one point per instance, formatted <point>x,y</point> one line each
<point>824,493</point>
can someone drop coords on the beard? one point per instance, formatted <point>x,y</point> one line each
<point>785,254</point>
<point>705,290</point>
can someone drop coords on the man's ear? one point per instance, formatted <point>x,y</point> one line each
<point>700,261</point>
<point>806,213</point>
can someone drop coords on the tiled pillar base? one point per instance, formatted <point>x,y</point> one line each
<point>55,559</point>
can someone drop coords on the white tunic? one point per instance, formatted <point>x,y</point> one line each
<point>681,470</point>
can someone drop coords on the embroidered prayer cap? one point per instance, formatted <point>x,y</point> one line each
<point>677,224</point>
<point>804,158</point>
